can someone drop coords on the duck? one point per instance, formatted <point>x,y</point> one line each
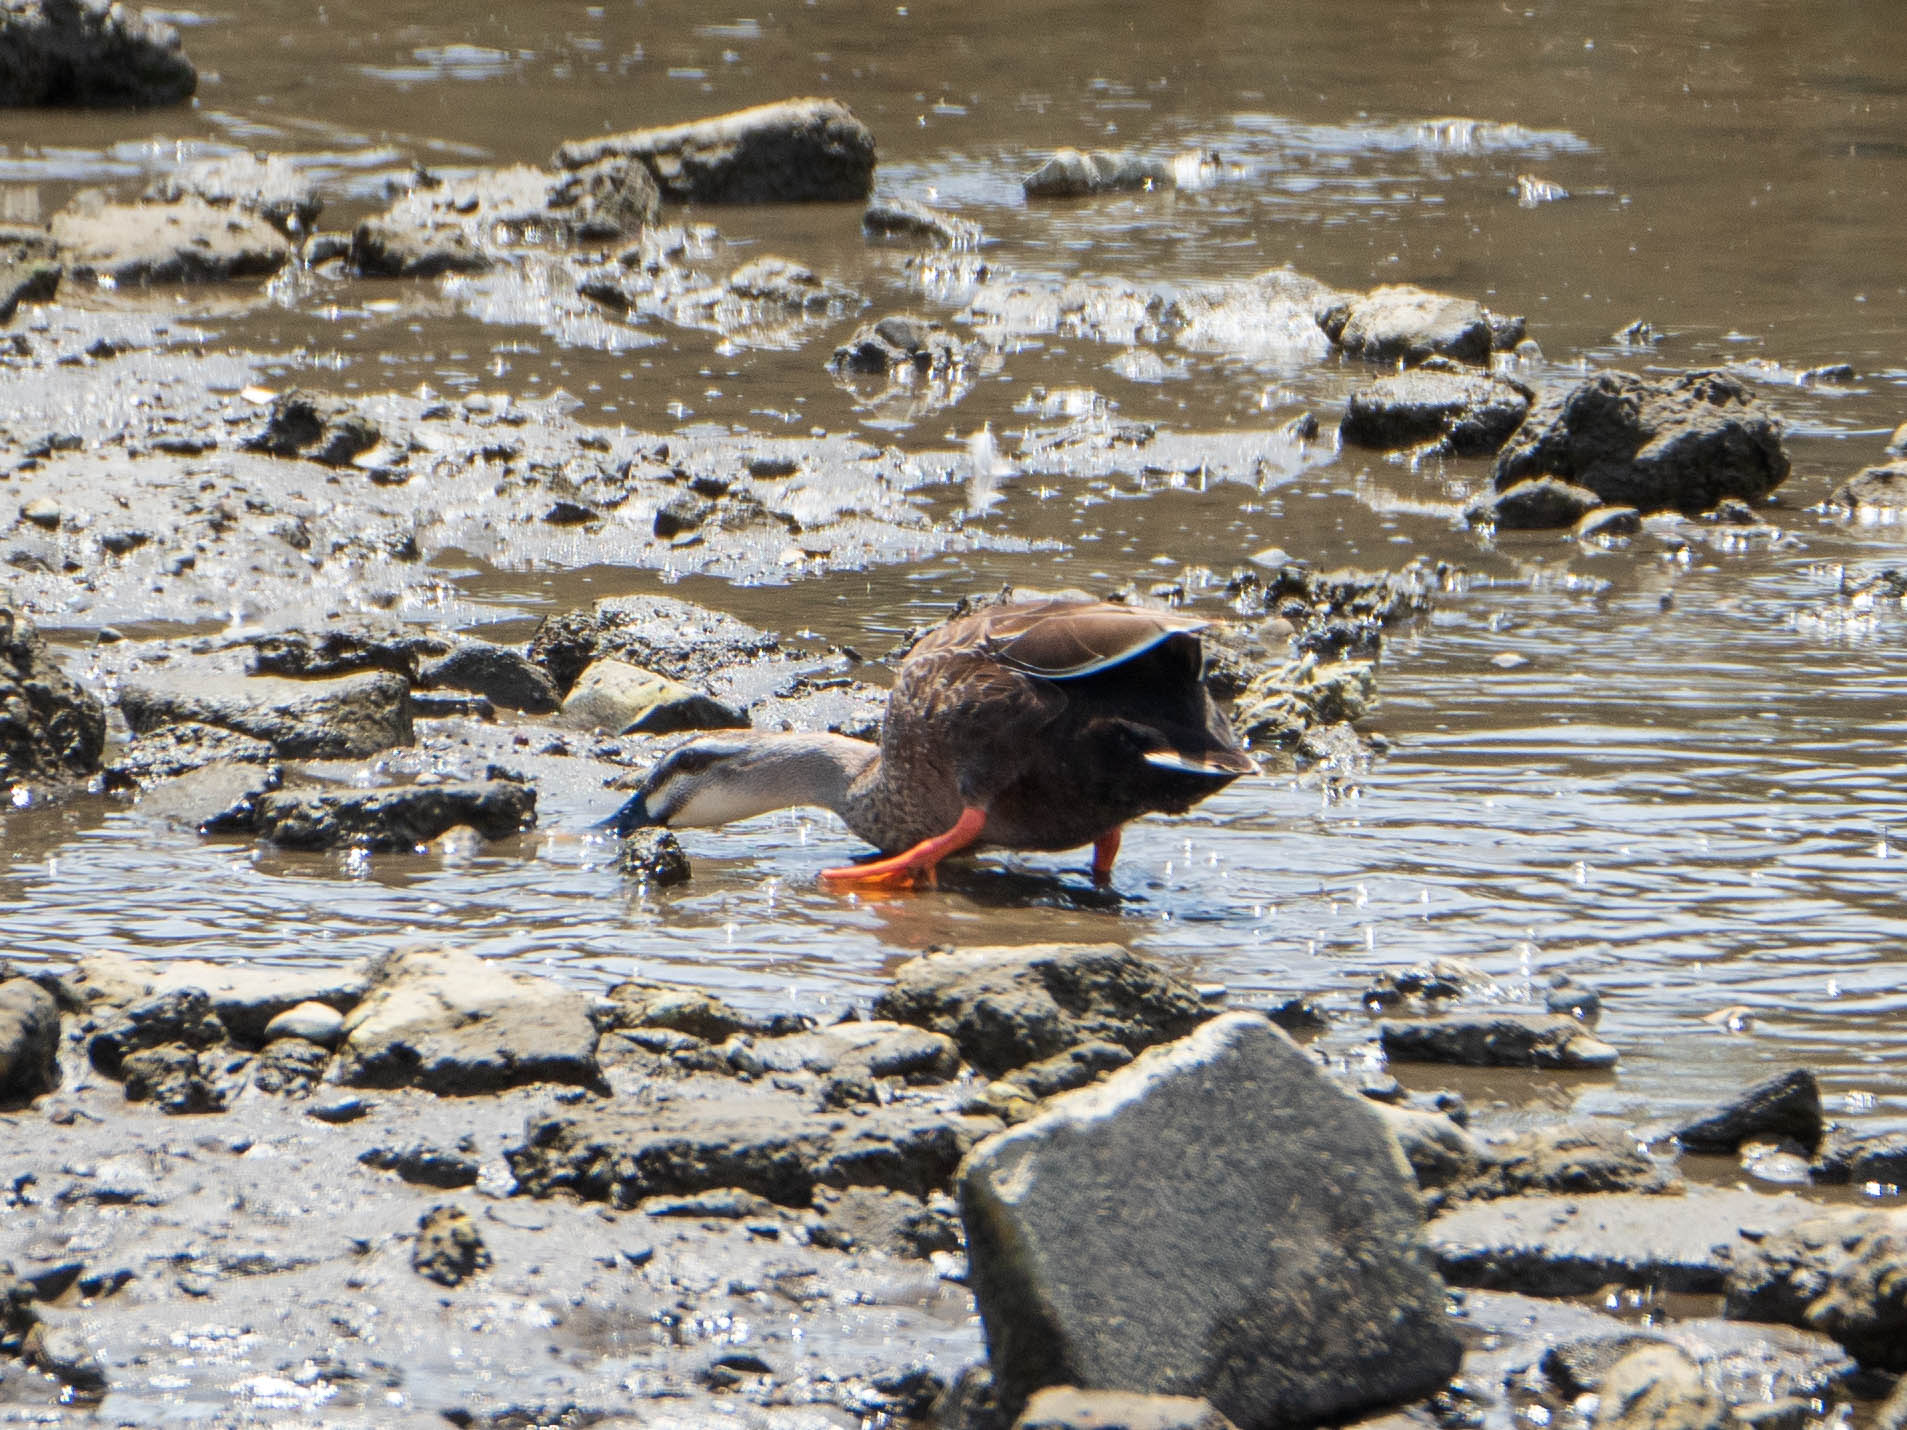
<point>1041,725</point>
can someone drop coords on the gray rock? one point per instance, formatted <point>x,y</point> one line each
<point>1566,1246</point>
<point>292,1067</point>
<point>1253,1223</point>
<point>424,1166</point>
<point>770,1145</point>
<point>310,1021</point>
<point>394,820</point>
<point>1659,1388</point>
<point>323,429</point>
<point>51,729</point>
<point>1495,1039</point>
<point>1873,489</point>
<point>180,1018</point>
<point>504,676</point>
<point>1572,1158</point>
<point>1539,504</point>
<point>1787,1104</point>
<point>1845,1157</point>
<point>348,718</point>
<point>1399,323</point>
<point>85,54</point>
<point>175,1078</point>
<point>1684,444</point>
<point>906,218</point>
<point>173,750</point>
<point>1466,414</point>
<point>27,278</point>
<point>1284,702</point>
<point>219,798</point>
<point>1892,1414</point>
<point>873,1049</point>
<point>794,151</point>
<point>340,650</point>
<point>1602,524</point>
<point>62,1353</point>
<point>189,241</point>
<point>1066,1407</point>
<point>453,1023</point>
<point>449,1247</point>
<point>685,1010</point>
<point>1005,1007</point>
<point>1074,174</point>
<point>1841,1273</point>
<point>244,997</point>
<point>1441,1154</point>
<point>625,699</point>
<point>659,633</point>
<point>1277,314</point>
<point>653,856</point>
<point>900,343</point>
<point>268,185</point>
<point>29,1040</point>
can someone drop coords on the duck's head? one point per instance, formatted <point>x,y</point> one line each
<point>729,777</point>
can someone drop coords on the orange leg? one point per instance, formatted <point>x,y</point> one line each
<point>916,865</point>
<point>1105,850</point>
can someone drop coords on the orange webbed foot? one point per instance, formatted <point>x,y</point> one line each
<point>913,867</point>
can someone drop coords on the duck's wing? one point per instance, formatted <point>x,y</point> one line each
<point>1057,639</point>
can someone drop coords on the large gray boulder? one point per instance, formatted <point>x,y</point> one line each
<point>792,151</point>
<point>1006,1007</point>
<point>451,1022</point>
<point>29,1039</point>
<point>1685,444</point>
<point>89,54</point>
<point>1217,1219</point>
<point>51,729</point>
<point>347,718</point>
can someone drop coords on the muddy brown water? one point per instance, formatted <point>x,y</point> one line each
<point>1670,770</point>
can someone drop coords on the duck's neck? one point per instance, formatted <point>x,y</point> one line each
<point>805,769</point>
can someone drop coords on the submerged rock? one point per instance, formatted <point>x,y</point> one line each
<point>1005,1007</point>
<point>793,151</point>
<point>1252,1223</point>
<point>29,1040</point>
<point>906,218</point>
<point>654,856</point>
<point>87,54</point>
<point>1074,174</point>
<point>188,241</point>
<point>1465,414</point>
<point>1684,444</point>
<point>453,1023</point>
<point>347,718</point>
<point>1284,702</point>
<point>1515,1040</point>
<point>393,820</point>
<point>1785,1105</point>
<point>899,343</point>
<point>51,729</point>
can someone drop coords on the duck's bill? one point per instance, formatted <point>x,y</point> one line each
<point>1223,765</point>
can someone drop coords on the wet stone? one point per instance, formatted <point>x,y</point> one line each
<point>174,1078</point>
<point>347,718</point>
<point>906,218</point>
<point>51,728</point>
<point>685,1010</point>
<point>899,343</point>
<point>1066,1407</point>
<point>29,1040</point>
<point>1399,323</point>
<point>291,1067</point>
<point>269,185</point>
<point>1283,703</point>
<point>1074,173</point>
<point>394,820</point>
<point>1843,1274</point>
<point>626,699</point>
<point>1573,1158</point>
<point>245,997</point>
<point>1521,1040</point>
<point>182,1018</point>
<point>425,1166</point>
<point>653,856</point>
<point>318,1023</point>
<point>449,1247</point>
<point>1787,1104</point>
<point>657,633</point>
<point>1539,504</point>
<point>322,429</point>
<point>1873,489</point>
<point>90,56</point>
<point>1879,1158</point>
<point>189,241</point>
<point>1005,1007</point>
<point>342,650</point>
<point>1465,414</point>
<point>1605,523</point>
<point>219,798</point>
<point>1659,1388</point>
<point>62,1353</point>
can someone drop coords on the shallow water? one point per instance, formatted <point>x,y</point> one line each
<point>1685,794</point>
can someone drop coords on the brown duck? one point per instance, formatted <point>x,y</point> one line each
<point>1043,725</point>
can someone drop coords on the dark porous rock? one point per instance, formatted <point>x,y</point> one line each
<point>1873,489</point>
<point>1573,1158</point>
<point>180,1018</point>
<point>793,151</point>
<point>1843,1274</point>
<point>505,677</point>
<point>348,718</point>
<point>1467,414</point>
<point>174,750</point>
<point>1605,523</point>
<point>1075,174</point>
<point>1568,1246</point>
<point>62,1353</point>
<point>870,1048</point>
<point>269,185</point>
<point>1441,1154</point>
<point>1658,1387</point>
<point>1685,444</point>
<point>174,1078</point>
<point>424,1165</point>
<point>1495,1039</point>
<point>244,997</point>
<point>1284,702</point>
<point>449,1247</point>
<point>342,650</point>
<point>1540,504</point>
<point>84,54</point>
<point>323,429</point>
<point>1399,323</point>
<point>1333,612</point>
<point>1067,1407</point>
<point>290,1067</point>
<point>220,798</point>
<point>851,1218</point>
<point>658,633</point>
<point>1253,1223</point>
<point>453,1023</point>
<point>190,241</point>
<point>27,278</point>
<point>29,1040</point>
<point>1787,1104</point>
<point>771,1145</point>
<point>906,218</point>
<point>396,819</point>
<point>625,699</point>
<point>900,343</point>
<point>1892,1414</point>
<point>683,1010</point>
<point>1006,1007</point>
<point>653,856</point>
<point>381,248</point>
<point>51,729</point>
<point>1880,1157</point>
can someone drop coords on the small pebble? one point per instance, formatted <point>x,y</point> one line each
<point>314,1022</point>
<point>341,1109</point>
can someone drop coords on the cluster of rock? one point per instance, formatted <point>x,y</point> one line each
<point>1169,1212</point>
